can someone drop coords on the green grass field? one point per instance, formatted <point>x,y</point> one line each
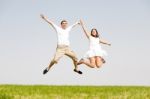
<point>73,92</point>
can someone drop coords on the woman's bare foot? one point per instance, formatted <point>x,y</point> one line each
<point>103,60</point>
<point>80,62</point>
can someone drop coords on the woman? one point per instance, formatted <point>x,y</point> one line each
<point>95,53</point>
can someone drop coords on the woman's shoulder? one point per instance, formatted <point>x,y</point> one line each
<point>93,37</point>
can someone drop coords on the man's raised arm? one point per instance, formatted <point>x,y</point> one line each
<point>75,24</point>
<point>48,21</point>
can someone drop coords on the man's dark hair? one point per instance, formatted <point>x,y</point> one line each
<point>63,21</point>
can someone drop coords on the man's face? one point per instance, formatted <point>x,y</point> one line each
<point>64,24</point>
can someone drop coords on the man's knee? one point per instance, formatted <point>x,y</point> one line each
<point>54,61</point>
<point>73,57</point>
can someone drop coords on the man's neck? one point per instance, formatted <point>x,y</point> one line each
<point>63,28</point>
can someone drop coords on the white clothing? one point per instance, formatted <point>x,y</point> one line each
<point>94,48</point>
<point>63,34</point>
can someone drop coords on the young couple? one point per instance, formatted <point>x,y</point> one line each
<point>92,58</point>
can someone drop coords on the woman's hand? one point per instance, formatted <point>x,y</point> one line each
<point>109,44</point>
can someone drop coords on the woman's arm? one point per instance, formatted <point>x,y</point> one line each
<point>83,27</point>
<point>105,42</point>
<point>48,21</point>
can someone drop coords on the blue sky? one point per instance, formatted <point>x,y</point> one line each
<point>27,43</point>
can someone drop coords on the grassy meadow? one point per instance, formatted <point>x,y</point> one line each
<point>73,92</point>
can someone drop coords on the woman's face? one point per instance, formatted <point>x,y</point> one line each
<point>94,33</point>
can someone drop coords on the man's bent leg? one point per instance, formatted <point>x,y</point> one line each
<point>59,53</point>
<point>73,56</point>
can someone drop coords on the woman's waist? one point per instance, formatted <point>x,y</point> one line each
<point>95,47</point>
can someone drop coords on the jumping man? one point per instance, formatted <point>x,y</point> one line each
<point>63,44</point>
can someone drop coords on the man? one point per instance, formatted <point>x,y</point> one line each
<point>62,44</point>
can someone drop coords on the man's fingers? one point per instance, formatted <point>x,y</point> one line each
<point>42,16</point>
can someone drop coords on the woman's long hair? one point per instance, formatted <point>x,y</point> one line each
<point>97,35</point>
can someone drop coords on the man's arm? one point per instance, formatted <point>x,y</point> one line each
<point>104,42</point>
<point>48,21</point>
<point>75,24</point>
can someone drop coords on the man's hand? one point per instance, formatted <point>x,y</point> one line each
<point>46,19</point>
<point>42,16</point>
<point>81,22</point>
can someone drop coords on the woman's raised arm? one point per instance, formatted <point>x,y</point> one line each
<point>85,31</point>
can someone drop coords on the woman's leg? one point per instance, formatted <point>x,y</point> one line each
<point>80,62</point>
<point>98,61</point>
<point>90,62</point>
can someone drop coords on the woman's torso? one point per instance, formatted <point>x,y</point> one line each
<point>94,42</point>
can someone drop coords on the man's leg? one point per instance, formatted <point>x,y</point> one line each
<point>59,53</point>
<point>73,56</point>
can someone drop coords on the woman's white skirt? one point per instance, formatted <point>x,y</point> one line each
<point>95,52</point>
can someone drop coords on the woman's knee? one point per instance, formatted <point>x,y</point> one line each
<point>98,65</point>
<point>92,62</point>
<point>99,62</point>
<point>93,65</point>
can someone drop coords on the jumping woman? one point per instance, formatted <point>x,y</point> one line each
<point>94,56</point>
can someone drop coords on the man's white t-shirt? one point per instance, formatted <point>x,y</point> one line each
<point>63,34</point>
